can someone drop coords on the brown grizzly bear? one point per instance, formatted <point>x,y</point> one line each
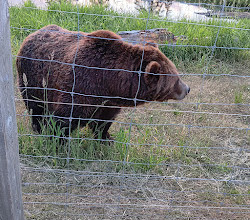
<point>53,59</point>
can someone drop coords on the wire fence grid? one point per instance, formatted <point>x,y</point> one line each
<point>167,160</point>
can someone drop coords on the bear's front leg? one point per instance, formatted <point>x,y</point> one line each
<point>102,122</point>
<point>100,129</point>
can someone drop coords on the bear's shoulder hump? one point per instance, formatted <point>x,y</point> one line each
<point>104,34</point>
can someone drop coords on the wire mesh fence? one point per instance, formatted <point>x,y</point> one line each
<point>185,159</point>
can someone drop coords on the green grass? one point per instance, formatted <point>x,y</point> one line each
<point>195,34</point>
<point>238,97</point>
<point>141,155</point>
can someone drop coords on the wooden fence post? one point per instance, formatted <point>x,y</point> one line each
<point>11,207</point>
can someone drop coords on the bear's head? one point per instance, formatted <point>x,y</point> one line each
<point>163,81</point>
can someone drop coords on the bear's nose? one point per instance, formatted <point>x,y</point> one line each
<point>188,90</point>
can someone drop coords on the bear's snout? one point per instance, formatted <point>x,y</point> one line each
<point>182,91</point>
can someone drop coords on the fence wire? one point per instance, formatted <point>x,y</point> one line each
<point>167,160</point>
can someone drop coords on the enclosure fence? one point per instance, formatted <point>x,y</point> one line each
<point>167,160</point>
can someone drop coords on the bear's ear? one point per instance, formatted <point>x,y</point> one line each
<point>152,67</point>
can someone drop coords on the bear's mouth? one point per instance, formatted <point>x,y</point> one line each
<point>174,95</point>
<point>184,93</point>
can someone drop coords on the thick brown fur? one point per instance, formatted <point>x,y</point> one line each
<point>60,46</point>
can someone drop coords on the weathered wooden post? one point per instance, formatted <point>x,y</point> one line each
<point>11,207</point>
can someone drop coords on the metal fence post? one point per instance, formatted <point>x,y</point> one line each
<point>11,207</point>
